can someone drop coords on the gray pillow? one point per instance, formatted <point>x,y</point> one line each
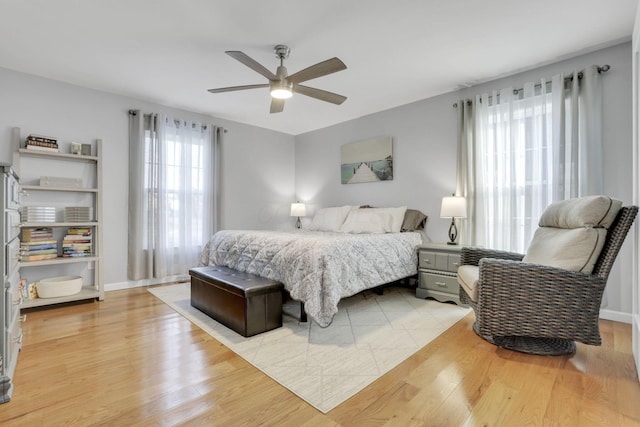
<point>413,220</point>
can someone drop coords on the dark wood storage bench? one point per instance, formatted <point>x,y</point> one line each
<point>244,302</point>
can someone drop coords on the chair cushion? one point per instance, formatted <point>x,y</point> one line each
<point>468,277</point>
<point>572,233</point>
<point>574,249</point>
<point>588,211</point>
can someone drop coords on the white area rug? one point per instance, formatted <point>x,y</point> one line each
<point>369,336</point>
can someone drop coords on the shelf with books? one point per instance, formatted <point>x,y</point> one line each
<point>68,184</point>
<point>56,155</point>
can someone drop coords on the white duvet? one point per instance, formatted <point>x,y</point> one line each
<point>317,267</point>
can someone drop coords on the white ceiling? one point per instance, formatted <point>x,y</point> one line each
<point>397,52</point>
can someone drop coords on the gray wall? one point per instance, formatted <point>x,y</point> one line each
<point>263,171</point>
<point>424,154</point>
<point>257,171</point>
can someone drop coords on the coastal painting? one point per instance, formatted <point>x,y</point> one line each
<point>370,160</point>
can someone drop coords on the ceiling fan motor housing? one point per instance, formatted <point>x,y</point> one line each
<point>282,51</point>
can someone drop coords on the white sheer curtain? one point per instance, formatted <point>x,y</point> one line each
<point>533,147</point>
<point>173,196</point>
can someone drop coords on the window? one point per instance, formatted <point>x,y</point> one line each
<point>175,198</point>
<point>530,148</point>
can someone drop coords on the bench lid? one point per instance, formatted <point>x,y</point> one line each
<point>246,283</point>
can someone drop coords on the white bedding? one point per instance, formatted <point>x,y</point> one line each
<point>318,268</point>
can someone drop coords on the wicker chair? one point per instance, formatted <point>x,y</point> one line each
<point>539,309</point>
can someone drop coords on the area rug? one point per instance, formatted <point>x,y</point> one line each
<point>370,335</point>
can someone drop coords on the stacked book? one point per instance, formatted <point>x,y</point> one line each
<point>38,214</point>
<point>38,250</point>
<point>30,235</point>
<point>38,244</point>
<point>77,242</point>
<point>41,143</point>
<point>78,214</point>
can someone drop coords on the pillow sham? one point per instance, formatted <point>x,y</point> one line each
<point>368,221</point>
<point>329,219</point>
<point>413,220</point>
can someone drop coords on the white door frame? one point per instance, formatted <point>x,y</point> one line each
<point>635,323</point>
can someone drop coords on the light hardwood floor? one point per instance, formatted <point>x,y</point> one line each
<point>132,360</point>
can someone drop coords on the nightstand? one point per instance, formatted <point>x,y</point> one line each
<point>437,267</point>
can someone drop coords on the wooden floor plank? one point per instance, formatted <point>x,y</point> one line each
<point>132,360</point>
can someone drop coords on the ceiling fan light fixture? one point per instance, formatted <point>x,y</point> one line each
<point>281,91</point>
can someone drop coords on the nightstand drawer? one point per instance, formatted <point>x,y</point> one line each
<point>433,260</point>
<point>439,261</point>
<point>454,263</point>
<point>439,283</point>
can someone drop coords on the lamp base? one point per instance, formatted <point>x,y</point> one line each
<point>298,223</point>
<point>453,232</point>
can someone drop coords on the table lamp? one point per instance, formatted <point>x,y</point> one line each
<point>298,210</point>
<point>453,207</point>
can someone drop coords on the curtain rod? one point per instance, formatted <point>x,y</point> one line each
<point>601,69</point>
<point>135,113</point>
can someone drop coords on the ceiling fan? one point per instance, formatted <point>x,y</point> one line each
<point>282,85</point>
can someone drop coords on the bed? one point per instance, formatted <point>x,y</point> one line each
<point>326,262</point>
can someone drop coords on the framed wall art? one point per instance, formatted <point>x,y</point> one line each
<point>370,160</point>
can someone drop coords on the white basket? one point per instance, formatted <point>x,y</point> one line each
<point>59,286</point>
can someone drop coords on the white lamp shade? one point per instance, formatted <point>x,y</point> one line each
<point>298,209</point>
<point>453,207</point>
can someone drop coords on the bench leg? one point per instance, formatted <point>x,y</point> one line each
<point>303,314</point>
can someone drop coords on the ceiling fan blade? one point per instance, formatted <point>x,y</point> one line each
<point>232,88</point>
<point>320,69</point>
<point>277,105</point>
<point>251,63</point>
<point>320,94</point>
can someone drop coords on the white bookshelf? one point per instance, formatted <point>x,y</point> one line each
<point>32,165</point>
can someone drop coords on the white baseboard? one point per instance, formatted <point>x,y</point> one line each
<point>145,282</point>
<point>617,316</point>
<point>605,314</point>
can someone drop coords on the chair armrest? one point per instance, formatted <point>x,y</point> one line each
<point>472,256</point>
<point>524,299</point>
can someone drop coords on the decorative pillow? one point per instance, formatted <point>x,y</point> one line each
<point>329,219</point>
<point>589,211</point>
<point>413,220</point>
<point>368,221</point>
<point>575,249</point>
<point>396,213</point>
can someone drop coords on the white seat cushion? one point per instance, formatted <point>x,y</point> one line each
<point>468,277</point>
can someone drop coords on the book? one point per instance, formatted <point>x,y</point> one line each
<point>39,252</point>
<point>41,138</point>
<point>29,258</point>
<point>38,246</point>
<point>40,242</point>
<point>38,148</point>
<point>79,230</point>
<point>36,234</point>
<point>77,237</point>
<point>42,144</point>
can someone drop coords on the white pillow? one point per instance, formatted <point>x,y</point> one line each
<point>397,215</point>
<point>368,221</point>
<point>329,219</point>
